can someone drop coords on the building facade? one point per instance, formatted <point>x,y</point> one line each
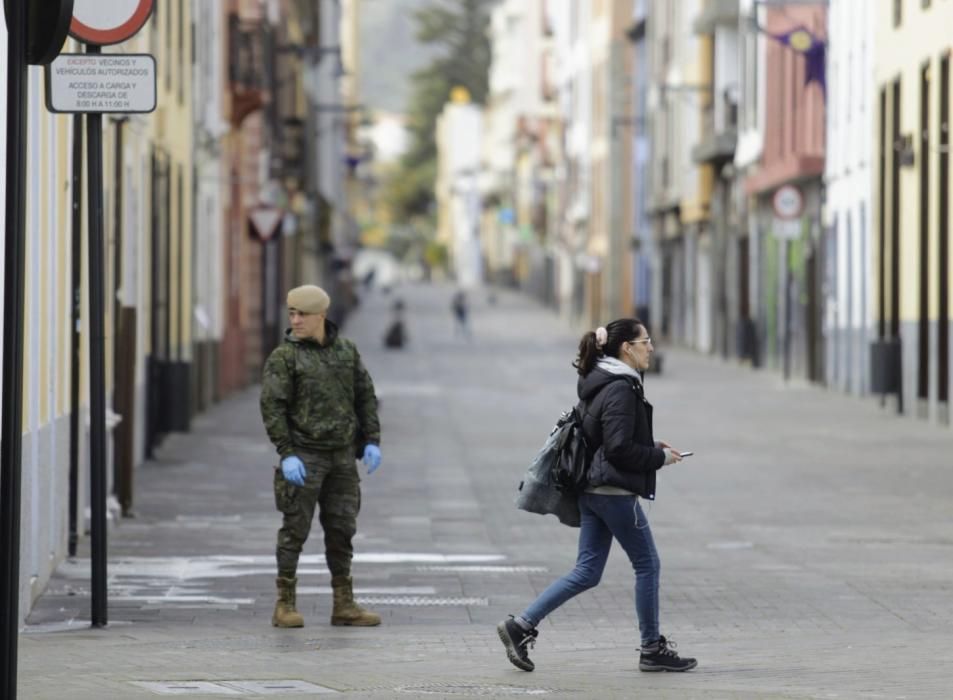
<point>791,260</point>
<point>681,190</point>
<point>188,279</point>
<point>911,222</point>
<point>849,180</point>
<point>459,133</point>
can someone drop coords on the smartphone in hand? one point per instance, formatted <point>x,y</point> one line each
<point>686,454</point>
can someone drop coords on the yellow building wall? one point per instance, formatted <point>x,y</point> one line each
<point>172,125</point>
<point>47,194</point>
<point>29,353</point>
<point>62,267</point>
<point>923,36</point>
<point>697,209</point>
<point>46,331</point>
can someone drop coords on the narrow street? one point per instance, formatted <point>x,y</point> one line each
<point>806,546</point>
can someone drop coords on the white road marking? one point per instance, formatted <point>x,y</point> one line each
<point>189,582</point>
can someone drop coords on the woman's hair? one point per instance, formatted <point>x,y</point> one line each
<point>622,330</point>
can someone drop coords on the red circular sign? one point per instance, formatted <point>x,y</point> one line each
<point>105,22</point>
<point>788,202</point>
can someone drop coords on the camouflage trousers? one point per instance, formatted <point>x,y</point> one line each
<point>333,486</point>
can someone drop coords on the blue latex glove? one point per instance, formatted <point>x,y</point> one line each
<point>372,457</point>
<point>293,469</point>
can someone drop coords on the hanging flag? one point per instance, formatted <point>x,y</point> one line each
<point>812,48</point>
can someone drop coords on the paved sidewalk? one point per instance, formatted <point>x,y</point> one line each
<point>807,547</point>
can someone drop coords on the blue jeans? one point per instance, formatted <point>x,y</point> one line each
<point>605,517</point>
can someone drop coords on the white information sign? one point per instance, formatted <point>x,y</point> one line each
<point>787,229</point>
<point>105,83</point>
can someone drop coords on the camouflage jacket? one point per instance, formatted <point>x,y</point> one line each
<point>317,397</point>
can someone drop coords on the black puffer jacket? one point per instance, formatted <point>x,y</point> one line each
<point>618,424</point>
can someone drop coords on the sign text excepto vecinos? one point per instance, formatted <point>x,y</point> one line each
<point>106,83</point>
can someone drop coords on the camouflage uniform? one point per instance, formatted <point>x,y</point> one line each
<point>318,402</point>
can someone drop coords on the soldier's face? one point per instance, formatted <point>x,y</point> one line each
<point>305,325</point>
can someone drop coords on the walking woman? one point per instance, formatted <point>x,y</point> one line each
<point>618,426</point>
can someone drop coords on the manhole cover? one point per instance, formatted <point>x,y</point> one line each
<point>280,687</point>
<point>473,690</point>
<point>239,687</point>
<point>186,688</point>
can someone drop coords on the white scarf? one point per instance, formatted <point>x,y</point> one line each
<point>613,365</point>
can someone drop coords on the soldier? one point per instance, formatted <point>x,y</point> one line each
<point>318,404</point>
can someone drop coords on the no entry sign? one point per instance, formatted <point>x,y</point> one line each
<point>105,22</point>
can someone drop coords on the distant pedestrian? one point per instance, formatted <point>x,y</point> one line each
<point>460,309</point>
<point>368,279</point>
<point>396,334</point>
<point>317,404</point>
<point>618,426</point>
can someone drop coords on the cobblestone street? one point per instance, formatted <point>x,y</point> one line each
<point>806,547</point>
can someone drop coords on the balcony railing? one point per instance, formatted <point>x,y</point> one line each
<point>716,12</point>
<point>246,55</point>
<point>717,140</point>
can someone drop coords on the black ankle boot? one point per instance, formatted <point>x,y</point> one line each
<point>662,656</point>
<point>516,640</point>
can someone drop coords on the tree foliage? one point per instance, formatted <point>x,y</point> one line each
<point>459,27</point>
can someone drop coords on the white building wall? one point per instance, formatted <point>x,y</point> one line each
<point>751,61</point>
<point>44,456</point>
<point>685,103</point>
<point>211,185</point>
<point>510,34</point>
<point>848,175</point>
<point>331,124</point>
<point>573,85</point>
<point>137,251</point>
<point>727,73</point>
<point>460,127</point>
<point>752,52</point>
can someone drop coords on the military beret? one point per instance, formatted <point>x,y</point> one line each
<point>309,299</point>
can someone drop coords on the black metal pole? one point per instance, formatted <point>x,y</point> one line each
<point>12,422</point>
<point>76,265</point>
<point>788,306</point>
<point>97,363</point>
<point>119,462</point>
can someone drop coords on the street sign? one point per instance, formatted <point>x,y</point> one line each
<point>788,202</point>
<point>101,83</point>
<point>105,22</point>
<point>48,24</point>
<point>787,229</point>
<point>265,221</point>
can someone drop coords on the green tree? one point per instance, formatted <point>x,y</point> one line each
<point>460,28</point>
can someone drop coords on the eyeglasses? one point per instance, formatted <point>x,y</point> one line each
<point>646,339</point>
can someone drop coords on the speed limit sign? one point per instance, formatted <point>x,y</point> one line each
<point>105,22</point>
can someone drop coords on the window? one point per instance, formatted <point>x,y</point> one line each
<point>168,50</point>
<point>181,57</point>
<point>850,84</point>
<point>862,83</point>
<point>943,244</point>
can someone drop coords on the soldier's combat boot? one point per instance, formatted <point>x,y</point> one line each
<point>285,613</point>
<point>346,611</point>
